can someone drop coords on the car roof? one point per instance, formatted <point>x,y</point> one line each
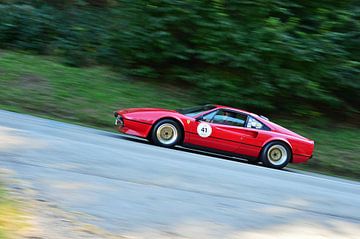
<point>264,120</point>
<point>236,109</point>
<point>267,122</point>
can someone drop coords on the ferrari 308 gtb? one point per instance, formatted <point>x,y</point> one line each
<point>218,129</point>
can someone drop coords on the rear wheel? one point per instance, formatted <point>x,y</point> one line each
<point>276,155</point>
<point>166,133</point>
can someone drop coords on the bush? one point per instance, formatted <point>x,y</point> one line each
<point>274,56</point>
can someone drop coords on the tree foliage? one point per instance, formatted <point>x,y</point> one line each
<point>285,56</point>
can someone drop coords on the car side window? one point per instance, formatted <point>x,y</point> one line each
<point>255,124</point>
<point>227,117</point>
<point>208,117</point>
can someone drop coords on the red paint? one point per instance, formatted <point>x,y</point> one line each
<point>238,140</point>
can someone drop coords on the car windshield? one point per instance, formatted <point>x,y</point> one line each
<point>192,111</point>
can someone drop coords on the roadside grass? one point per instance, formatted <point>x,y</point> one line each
<point>11,219</point>
<point>42,86</point>
<point>337,151</point>
<point>88,95</point>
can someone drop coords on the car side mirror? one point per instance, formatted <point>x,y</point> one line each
<point>199,118</point>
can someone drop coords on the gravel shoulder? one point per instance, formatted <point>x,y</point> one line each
<point>42,219</point>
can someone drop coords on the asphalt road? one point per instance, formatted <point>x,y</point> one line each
<point>131,188</point>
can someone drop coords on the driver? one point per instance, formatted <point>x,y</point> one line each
<point>226,119</point>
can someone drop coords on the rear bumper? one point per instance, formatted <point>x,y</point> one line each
<point>297,158</point>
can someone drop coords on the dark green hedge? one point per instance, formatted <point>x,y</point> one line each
<point>283,56</point>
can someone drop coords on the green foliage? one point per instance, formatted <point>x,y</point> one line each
<point>89,96</point>
<point>336,150</point>
<point>264,55</point>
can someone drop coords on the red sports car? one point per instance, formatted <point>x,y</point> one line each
<point>219,129</point>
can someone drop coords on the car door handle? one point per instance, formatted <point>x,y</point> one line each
<point>241,131</point>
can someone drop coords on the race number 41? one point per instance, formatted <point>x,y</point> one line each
<point>204,130</point>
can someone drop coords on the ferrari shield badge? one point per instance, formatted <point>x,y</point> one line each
<point>204,130</point>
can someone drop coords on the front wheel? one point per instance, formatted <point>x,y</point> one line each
<point>276,155</point>
<point>166,133</point>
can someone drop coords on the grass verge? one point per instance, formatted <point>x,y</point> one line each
<point>337,150</point>
<point>11,220</point>
<point>42,86</point>
<point>34,84</point>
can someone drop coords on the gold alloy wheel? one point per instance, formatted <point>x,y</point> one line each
<point>277,154</point>
<point>167,134</point>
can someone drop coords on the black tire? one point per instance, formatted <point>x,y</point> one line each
<point>276,155</point>
<point>163,129</point>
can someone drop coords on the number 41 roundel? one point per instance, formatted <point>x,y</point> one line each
<point>204,130</point>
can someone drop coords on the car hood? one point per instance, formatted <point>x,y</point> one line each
<point>135,110</point>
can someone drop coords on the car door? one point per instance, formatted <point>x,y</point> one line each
<point>254,134</point>
<point>221,130</point>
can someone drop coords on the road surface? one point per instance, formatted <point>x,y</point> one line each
<point>128,187</point>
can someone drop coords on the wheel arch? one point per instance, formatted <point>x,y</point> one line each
<point>287,143</point>
<point>178,121</point>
